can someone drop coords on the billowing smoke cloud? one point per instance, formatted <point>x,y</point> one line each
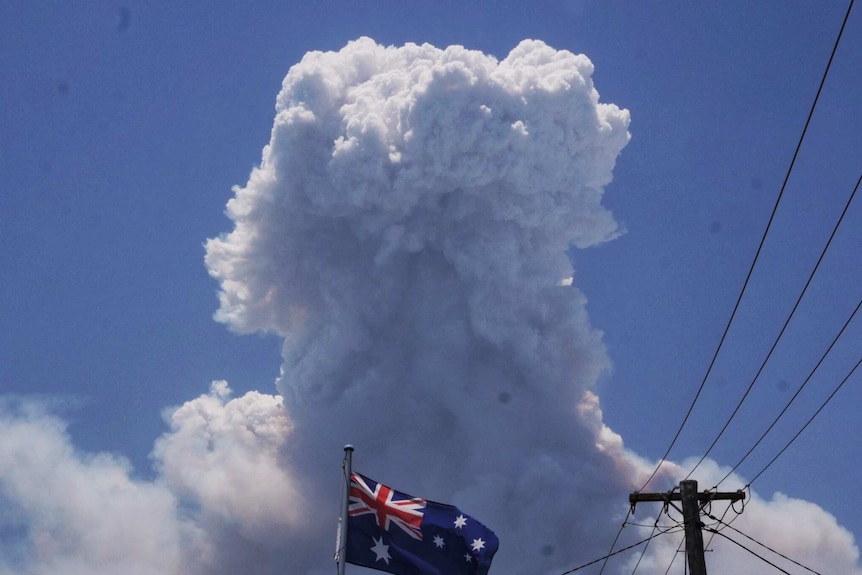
<point>65,513</point>
<point>406,233</point>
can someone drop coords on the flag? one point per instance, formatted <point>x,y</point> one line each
<point>395,532</point>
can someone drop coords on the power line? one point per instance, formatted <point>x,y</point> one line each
<point>783,328</point>
<point>762,545</point>
<point>632,546</point>
<point>654,528</point>
<point>762,558</point>
<point>672,559</point>
<point>795,395</point>
<point>645,525</point>
<point>798,433</point>
<point>613,544</point>
<point>723,515</point>
<point>757,253</point>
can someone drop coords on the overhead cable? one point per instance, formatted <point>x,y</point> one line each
<point>654,528</point>
<point>611,552</point>
<point>810,419</point>
<point>783,328</point>
<point>672,559</point>
<point>759,249</point>
<point>763,545</point>
<point>795,395</point>
<point>761,557</point>
<point>632,546</point>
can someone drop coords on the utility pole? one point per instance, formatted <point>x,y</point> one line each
<point>692,503</point>
<point>692,523</point>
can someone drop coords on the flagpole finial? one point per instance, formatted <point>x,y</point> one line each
<point>348,447</point>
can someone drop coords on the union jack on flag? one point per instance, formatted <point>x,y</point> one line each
<point>395,532</point>
<point>387,510</point>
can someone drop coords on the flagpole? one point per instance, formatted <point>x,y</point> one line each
<point>341,541</point>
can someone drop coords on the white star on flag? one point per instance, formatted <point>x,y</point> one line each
<point>478,544</point>
<point>381,550</point>
<point>438,541</point>
<point>460,521</point>
<point>468,557</point>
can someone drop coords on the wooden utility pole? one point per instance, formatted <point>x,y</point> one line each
<point>692,503</point>
<point>692,523</point>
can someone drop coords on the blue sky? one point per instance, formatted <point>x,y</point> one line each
<point>123,128</point>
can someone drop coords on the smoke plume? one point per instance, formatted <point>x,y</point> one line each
<point>406,233</point>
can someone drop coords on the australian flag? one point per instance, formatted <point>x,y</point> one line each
<point>391,531</point>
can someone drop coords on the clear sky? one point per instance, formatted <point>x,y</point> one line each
<point>124,127</point>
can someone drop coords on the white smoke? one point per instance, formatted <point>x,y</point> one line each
<point>223,456</point>
<point>67,513</point>
<point>406,233</point>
